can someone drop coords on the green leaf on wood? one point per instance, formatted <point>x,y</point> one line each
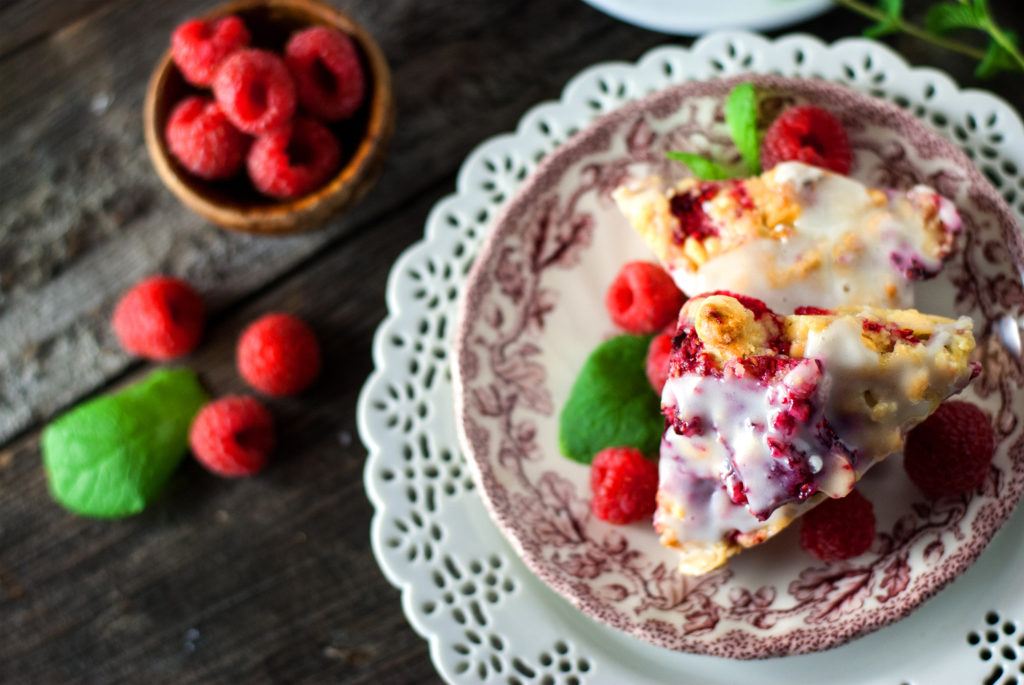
<point>892,8</point>
<point>702,167</point>
<point>110,456</point>
<point>996,58</point>
<point>741,118</point>
<point>612,404</point>
<point>945,17</point>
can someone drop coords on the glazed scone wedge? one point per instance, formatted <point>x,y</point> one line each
<point>796,235</point>
<point>767,415</point>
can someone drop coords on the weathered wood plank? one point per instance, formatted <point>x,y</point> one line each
<point>268,579</point>
<point>25,21</point>
<point>82,214</point>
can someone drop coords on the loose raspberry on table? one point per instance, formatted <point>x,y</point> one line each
<point>159,318</point>
<point>255,91</point>
<point>807,134</point>
<point>198,47</point>
<point>950,452</point>
<point>278,355</point>
<point>203,140</point>
<point>839,529</point>
<point>624,485</point>
<point>328,76</point>
<point>657,361</point>
<point>294,160</point>
<point>643,298</point>
<point>233,436</point>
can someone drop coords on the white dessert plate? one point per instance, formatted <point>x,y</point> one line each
<point>487,617</point>
<point>693,17</point>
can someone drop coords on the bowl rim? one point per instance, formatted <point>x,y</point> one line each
<point>273,218</point>
<point>547,174</point>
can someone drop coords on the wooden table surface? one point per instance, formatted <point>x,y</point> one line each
<point>269,579</point>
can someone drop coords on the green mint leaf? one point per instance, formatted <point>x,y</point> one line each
<point>111,455</point>
<point>702,167</point>
<point>981,10</point>
<point>741,117</point>
<point>996,58</point>
<point>882,28</point>
<point>612,404</point>
<point>945,17</point>
<point>893,8</point>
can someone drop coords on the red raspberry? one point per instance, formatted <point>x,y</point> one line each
<point>159,318</point>
<point>255,91</point>
<point>657,361</point>
<point>328,76</point>
<point>807,134</point>
<point>278,354</point>
<point>950,451</point>
<point>198,47</point>
<point>624,485</point>
<point>233,436</point>
<point>839,529</point>
<point>203,140</point>
<point>294,160</point>
<point>643,298</point>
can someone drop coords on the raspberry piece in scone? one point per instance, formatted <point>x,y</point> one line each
<point>839,529</point>
<point>643,298</point>
<point>623,485</point>
<point>159,318</point>
<point>769,415</point>
<point>198,47</point>
<point>950,452</point>
<point>255,91</point>
<point>328,76</point>
<point>203,140</point>
<point>294,160</point>
<point>278,354</point>
<point>810,135</point>
<point>233,436</point>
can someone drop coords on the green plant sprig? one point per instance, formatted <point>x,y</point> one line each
<point>1003,52</point>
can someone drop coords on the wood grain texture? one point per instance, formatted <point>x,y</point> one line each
<point>84,215</point>
<point>270,579</point>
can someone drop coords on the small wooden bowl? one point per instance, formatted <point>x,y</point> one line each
<point>234,203</point>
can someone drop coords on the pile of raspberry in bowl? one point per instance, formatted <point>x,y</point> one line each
<point>268,111</point>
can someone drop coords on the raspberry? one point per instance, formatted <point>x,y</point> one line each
<point>657,361</point>
<point>643,298</point>
<point>198,47</point>
<point>328,76</point>
<point>950,451</point>
<point>203,140</point>
<point>807,134</point>
<point>293,161</point>
<point>159,318</point>
<point>839,529</point>
<point>233,436</point>
<point>255,91</point>
<point>624,485</point>
<point>278,354</point>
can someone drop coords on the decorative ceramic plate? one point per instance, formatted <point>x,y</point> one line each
<point>534,309</point>
<point>486,616</point>
<point>693,17</point>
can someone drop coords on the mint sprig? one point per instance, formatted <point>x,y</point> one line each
<point>612,404</point>
<point>110,456</point>
<point>1002,51</point>
<point>741,119</point>
<point>702,167</point>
